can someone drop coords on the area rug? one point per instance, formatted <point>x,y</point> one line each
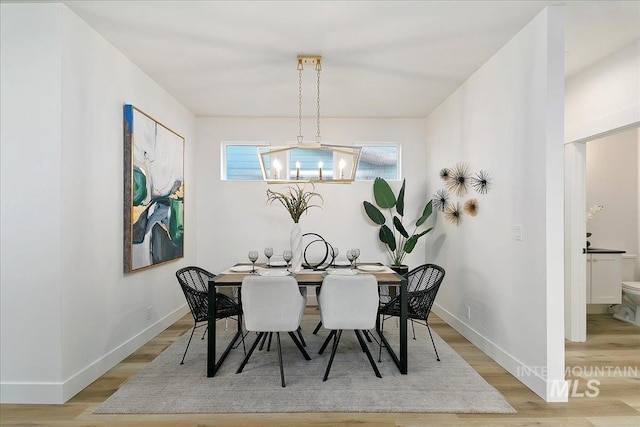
<point>448,386</point>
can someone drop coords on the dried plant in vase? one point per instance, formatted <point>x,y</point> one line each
<point>295,199</point>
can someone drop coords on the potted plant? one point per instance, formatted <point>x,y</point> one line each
<point>399,242</point>
<point>590,214</point>
<point>296,200</point>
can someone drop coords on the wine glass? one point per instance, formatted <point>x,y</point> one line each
<point>253,257</point>
<point>268,252</point>
<point>286,256</point>
<point>356,255</point>
<point>351,256</point>
<point>334,254</point>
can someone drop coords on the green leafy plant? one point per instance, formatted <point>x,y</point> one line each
<point>398,241</point>
<point>295,199</point>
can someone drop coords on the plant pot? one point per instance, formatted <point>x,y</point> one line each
<point>392,292</point>
<point>400,269</point>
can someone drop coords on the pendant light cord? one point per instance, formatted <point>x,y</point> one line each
<point>300,137</point>
<point>318,68</point>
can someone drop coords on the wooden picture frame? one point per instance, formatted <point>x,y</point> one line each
<point>153,192</point>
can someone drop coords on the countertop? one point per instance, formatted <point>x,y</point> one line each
<point>604,251</point>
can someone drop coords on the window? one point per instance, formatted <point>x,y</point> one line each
<point>379,161</point>
<point>240,162</point>
<point>309,163</point>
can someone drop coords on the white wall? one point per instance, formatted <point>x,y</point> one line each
<point>604,97</point>
<point>233,217</point>
<point>68,312</point>
<point>507,119</point>
<point>612,181</point>
<point>31,183</point>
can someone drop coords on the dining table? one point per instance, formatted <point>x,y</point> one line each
<point>233,276</point>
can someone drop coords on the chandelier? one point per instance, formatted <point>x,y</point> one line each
<point>304,161</point>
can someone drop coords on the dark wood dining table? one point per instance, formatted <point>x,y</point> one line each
<point>305,278</point>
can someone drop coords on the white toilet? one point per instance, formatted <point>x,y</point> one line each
<point>629,310</point>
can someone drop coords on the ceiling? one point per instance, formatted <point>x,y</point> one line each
<point>380,58</point>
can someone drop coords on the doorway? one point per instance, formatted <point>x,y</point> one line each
<point>575,231</point>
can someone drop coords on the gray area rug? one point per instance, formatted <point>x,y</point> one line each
<point>448,386</point>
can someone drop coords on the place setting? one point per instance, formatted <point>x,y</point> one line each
<point>279,267</point>
<point>329,263</point>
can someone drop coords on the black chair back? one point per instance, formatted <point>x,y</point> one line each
<point>194,282</point>
<point>423,284</point>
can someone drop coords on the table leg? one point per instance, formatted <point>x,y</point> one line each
<point>211,338</point>
<point>400,362</point>
<point>212,364</point>
<point>403,326</point>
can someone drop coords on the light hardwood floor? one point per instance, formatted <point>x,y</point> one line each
<point>610,343</point>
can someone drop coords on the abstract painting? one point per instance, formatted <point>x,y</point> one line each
<point>154,192</point>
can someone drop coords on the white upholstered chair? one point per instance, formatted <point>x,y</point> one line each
<point>272,304</point>
<point>349,302</point>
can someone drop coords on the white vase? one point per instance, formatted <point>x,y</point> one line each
<point>296,248</point>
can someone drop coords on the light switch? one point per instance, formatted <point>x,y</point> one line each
<point>518,232</point>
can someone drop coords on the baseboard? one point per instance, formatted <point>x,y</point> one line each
<point>550,391</point>
<point>598,308</point>
<point>34,393</point>
<point>58,393</point>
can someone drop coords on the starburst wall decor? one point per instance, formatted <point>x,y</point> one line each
<point>440,200</point>
<point>481,182</point>
<point>457,182</point>
<point>459,179</point>
<point>471,207</point>
<point>453,213</point>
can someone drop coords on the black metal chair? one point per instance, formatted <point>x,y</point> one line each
<point>423,284</point>
<point>194,282</point>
